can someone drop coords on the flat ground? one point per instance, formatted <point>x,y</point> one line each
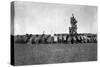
<point>29,54</point>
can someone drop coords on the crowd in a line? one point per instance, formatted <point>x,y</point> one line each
<point>56,38</point>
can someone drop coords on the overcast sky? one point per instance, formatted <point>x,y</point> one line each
<point>34,18</point>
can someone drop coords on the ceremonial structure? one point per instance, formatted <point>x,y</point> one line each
<point>73,28</point>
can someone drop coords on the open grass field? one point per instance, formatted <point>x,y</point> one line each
<point>29,54</point>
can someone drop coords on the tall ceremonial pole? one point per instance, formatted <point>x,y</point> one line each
<point>73,28</point>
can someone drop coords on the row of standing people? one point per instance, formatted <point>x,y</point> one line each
<point>45,39</point>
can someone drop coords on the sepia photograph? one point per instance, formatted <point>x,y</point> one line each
<point>50,33</point>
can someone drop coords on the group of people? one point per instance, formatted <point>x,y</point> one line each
<point>48,39</point>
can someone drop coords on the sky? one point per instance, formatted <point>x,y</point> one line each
<point>50,18</point>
